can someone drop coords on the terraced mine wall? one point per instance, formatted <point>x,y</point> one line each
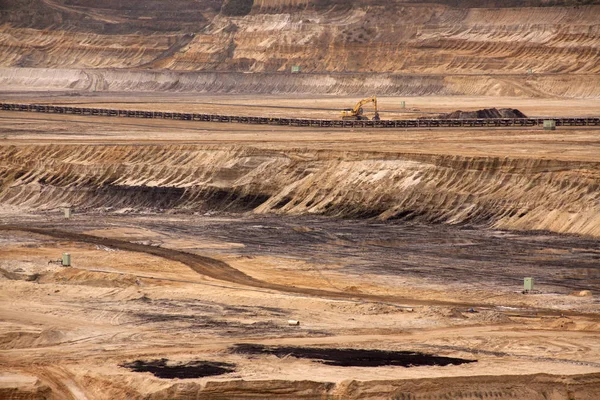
<point>354,84</point>
<point>451,38</point>
<point>559,196</point>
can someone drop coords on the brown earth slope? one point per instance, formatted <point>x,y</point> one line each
<point>402,38</point>
<point>364,47</point>
<point>347,84</point>
<point>154,197</point>
<point>555,195</point>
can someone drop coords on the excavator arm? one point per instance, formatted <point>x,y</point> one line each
<point>356,113</point>
<point>361,103</point>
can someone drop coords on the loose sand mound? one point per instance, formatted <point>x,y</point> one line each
<point>74,276</point>
<point>20,340</point>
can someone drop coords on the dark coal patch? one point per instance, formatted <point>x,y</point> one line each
<point>352,357</point>
<point>484,113</point>
<point>193,369</point>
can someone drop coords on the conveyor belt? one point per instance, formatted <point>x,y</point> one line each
<point>317,123</point>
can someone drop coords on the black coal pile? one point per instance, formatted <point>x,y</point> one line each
<point>351,357</point>
<point>194,369</point>
<point>486,113</point>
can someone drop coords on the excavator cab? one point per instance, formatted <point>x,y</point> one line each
<point>357,113</point>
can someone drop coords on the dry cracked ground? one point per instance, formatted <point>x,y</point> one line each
<point>232,261</point>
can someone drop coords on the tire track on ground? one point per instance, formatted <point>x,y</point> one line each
<point>220,270</point>
<point>217,269</point>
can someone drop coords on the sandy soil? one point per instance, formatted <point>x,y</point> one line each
<point>182,249</point>
<point>581,144</point>
<point>76,325</point>
<point>191,239</point>
<point>309,106</point>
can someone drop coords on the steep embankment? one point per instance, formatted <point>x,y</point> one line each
<point>509,193</point>
<point>350,37</point>
<point>531,387</point>
<point>109,17</point>
<point>20,79</point>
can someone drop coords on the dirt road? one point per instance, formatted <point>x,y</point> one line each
<point>216,269</point>
<point>222,271</point>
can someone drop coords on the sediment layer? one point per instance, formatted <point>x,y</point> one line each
<point>370,37</point>
<point>97,80</point>
<point>559,196</point>
<point>534,387</point>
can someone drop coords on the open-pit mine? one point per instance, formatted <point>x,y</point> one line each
<point>195,203</point>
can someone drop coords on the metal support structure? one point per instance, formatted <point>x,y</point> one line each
<point>321,123</point>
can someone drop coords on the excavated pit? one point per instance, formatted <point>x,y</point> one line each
<point>269,236</point>
<point>352,357</point>
<point>189,238</point>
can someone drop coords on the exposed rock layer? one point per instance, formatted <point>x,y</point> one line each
<point>560,196</point>
<point>94,80</point>
<point>364,37</point>
<point>533,387</point>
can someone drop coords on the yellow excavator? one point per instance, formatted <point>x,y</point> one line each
<point>356,113</point>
